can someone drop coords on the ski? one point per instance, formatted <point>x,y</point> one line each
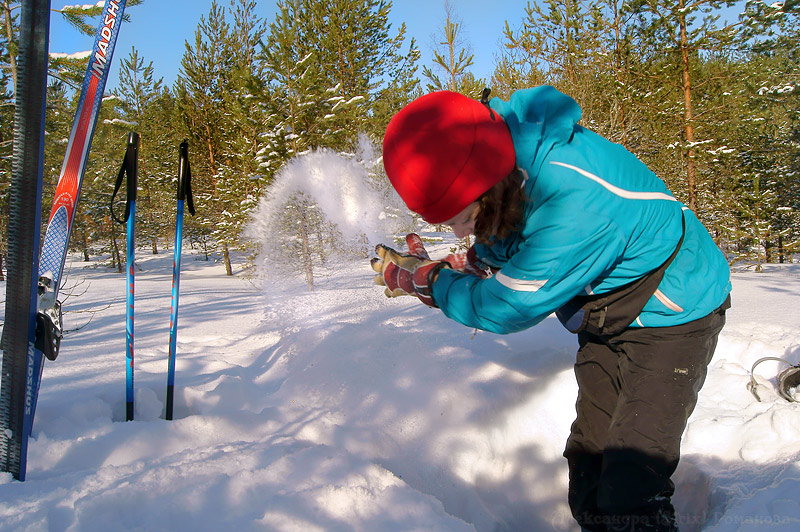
<point>59,226</point>
<point>25,215</point>
<point>184,195</point>
<point>129,168</point>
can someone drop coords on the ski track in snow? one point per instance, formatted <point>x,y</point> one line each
<point>341,410</point>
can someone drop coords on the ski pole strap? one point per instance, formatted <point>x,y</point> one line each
<point>787,380</point>
<point>185,177</point>
<point>129,167</point>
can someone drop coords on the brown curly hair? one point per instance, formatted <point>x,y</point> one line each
<point>501,208</point>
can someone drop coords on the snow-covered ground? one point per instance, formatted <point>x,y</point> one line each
<point>341,410</point>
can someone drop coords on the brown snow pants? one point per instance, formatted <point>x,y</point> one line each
<point>636,391</point>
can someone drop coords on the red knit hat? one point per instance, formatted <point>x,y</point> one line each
<point>443,150</point>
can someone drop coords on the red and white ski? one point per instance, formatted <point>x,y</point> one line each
<point>59,226</point>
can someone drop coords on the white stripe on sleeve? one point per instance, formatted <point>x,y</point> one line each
<point>519,285</point>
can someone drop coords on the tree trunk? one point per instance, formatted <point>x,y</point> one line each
<point>204,248</point>
<point>226,257</point>
<point>115,256</point>
<point>85,247</point>
<point>767,247</point>
<point>320,242</point>
<point>688,117</point>
<point>621,115</point>
<point>306,249</point>
<point>147,197</point>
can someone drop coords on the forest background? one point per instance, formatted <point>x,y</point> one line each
<point>713,107</point>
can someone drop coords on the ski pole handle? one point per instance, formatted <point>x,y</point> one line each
<point>130,166</point>
<point>185,177</point>
<point>132,161</point>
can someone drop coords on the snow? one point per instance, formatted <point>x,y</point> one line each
<point>339,409</point>
<point>342,410</point>
<point>77,55</point>
<point>343,188</point>
<point>84,7</point>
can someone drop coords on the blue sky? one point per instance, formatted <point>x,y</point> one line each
<point>159,29</point>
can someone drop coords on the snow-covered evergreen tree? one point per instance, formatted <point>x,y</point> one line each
<point>213,92</point>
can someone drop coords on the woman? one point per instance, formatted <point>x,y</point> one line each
<point>574,224</point>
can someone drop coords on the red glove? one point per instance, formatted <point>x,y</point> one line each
<point>468,262</point>
<point>465,261</point>
<point>416,247</point>
<point>407,273</point>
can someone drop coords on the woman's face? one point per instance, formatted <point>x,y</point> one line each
<point>463,223</point>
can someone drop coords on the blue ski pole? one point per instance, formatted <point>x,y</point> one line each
<point>129,167</point>
<point>184,194</point>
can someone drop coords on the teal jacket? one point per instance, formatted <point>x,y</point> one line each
<point>597,218</point>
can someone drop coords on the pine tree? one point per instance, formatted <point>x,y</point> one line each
<point>452,57</point>
<point>70,68</point>
<point>349,39</point>
<point>360,60</point>
<point>80,16</point>
<point>137,93</point>
<point>301,108</point>
<point>682,34</point>
<point>568,45</point>
<point>9,44</point>
<point>756,169</point>
<point>772,37</point>
<point>199,89</point>
<point>559,39</point>
<point>399,84</point>
<point>65,77</point>
<point>299,101</point>
<point>333,71</point>
<point>212,91</point>
<point>327,67</point>
<point>241,180</point>
<point>93,221</point>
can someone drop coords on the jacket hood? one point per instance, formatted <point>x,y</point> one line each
<point>538,119</point>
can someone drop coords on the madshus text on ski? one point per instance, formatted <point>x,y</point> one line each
<point>100,57</point>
